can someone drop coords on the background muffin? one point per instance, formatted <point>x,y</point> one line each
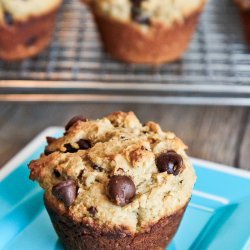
<point>146,31</point>
<point>26,27</point>
<point>244,6</point>
<point>114,183</point>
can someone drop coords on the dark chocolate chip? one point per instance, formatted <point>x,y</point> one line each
<point>139,17</point>
<point>56,173</point>
<point>93,210</point>
<point>121,190</point>
<point>31,41</point>
<point>169,162</point>
<point>74,120</point>
<point>84,144</point>
<point>65,192</point>
<point>8,18</point>
<point>136,2</point>
<point>98,168</point>
<point>69,148</point>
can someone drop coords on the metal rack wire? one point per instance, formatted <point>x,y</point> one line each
<point>215,70</point>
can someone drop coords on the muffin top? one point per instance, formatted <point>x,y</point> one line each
<point>148,11</point>
<point>20,10</point>
<point>115,173</point>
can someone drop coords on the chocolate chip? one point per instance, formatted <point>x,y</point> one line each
<point>84,144</point>
<point>31,41</point>
<point>136,2</point>
<point>74,120</point>
<point>69,148</point>
<point>65,192</point>
<point>139,17</point>
<point>136,13</point>
<point>56,173</point>
<point>121,190</point>
<point>169,162</point>
<point>98,168</point>
<point>93,210</point>
<point>8,18</point>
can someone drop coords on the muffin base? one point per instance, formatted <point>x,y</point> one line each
<point>76,235</point>
<point>26,39</point>
<point>245,18</point>
<point>129,43</point>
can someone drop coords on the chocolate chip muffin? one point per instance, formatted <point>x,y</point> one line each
<point>114,183</point>
<point>146,31</point>
<point>244,7</point>
<point>26,27</point>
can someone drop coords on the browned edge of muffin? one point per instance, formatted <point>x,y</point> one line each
<point>126,41</point>
<point>25,39</point>
<point>77,235</point>
<point>245,19</point>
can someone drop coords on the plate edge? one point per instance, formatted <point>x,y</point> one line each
<point>30,148</point>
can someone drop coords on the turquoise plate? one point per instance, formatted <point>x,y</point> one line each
<point>218,216</point>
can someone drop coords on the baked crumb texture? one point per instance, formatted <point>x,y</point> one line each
<point>22,10</point>
<point>147,11</point>
<point>92,152</point>
<point>26,27</point>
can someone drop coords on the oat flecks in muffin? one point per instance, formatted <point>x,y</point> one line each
<point>167,11</point>
<point>120,146</point>
<point>20,10</point>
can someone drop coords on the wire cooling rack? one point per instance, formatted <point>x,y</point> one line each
<point>215,70</point>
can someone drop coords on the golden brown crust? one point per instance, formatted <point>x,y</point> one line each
<point>76,235</point>
<point>128,42</point>
<point>26,39</point>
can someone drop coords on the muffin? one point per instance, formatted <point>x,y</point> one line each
<point>244,7</point>
<point>146,31</point>
<point>114,183</point>
<point>26,27</point>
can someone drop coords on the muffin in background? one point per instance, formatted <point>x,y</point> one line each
<point>146,31</point>
<point>244,7</point>
<point>26,27</point>
<point>114,183</point>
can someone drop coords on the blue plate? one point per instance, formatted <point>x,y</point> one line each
<point>218,216</point>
